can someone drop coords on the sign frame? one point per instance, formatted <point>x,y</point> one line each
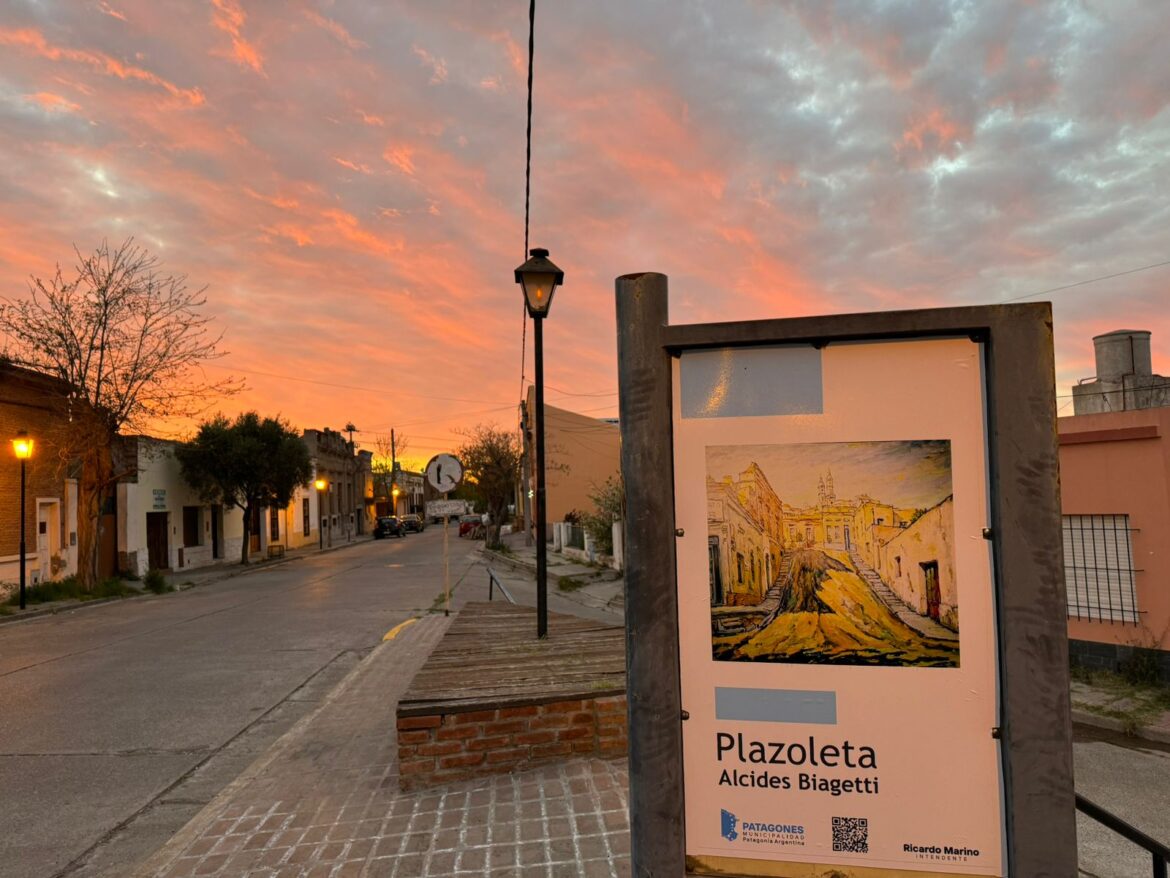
<point>1024,531</point>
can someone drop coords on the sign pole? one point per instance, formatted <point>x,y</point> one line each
<point>446,569</point>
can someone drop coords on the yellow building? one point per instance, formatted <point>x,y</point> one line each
<point>580,454</point>
<point>917,563</point>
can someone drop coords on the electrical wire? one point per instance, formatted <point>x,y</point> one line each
<point>1082,283</point>
<point>527,184</point>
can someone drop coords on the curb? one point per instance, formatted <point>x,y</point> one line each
<point>1084,718</point>
<point>580,596</point>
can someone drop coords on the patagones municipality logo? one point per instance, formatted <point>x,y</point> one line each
<point>727,823</point>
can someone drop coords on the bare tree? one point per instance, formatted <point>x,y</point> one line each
<point>128,341</point>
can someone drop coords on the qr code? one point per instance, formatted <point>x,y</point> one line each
<point>851,835</point>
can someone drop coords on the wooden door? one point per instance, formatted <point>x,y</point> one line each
<point>254,530</point>
<point>933,592</point>
<point>216,528</point>
<point>157,545</point>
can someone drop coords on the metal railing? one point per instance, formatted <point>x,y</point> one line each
<point>575,537</point>
<point>1159,852</point>
<point>494,583</point>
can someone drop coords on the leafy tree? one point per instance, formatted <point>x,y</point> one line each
<point>248,463</point>
<point>491,462</point>
<point>126,340</point>
<point>608,506</point>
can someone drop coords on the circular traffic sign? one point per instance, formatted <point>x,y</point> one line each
<point>444,472</point>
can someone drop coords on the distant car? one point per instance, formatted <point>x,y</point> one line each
<point>387,526</point>
<point>468,524</point>
<point>413,524</point>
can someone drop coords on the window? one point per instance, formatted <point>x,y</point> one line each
<point>739,567</point>
<point>1098,568</point>
<point>192,533</point>
<point>305,514</point>
<point>273,524</point>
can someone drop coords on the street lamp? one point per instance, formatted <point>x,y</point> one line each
<point>321,485</point>
<point>540,278</point>
<point>22,446</point>
<point>394,492</point>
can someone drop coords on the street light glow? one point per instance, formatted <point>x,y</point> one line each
<point>22,446</point>
<point>320,484</point>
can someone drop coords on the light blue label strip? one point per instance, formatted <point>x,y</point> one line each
<point>751,382</point>
<point>776,705</point>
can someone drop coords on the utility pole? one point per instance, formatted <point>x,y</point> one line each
<point>349,428</point>
<point>393,471</point>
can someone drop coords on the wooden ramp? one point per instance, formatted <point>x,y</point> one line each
<point>490,658</point>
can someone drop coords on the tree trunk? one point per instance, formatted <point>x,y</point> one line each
<point>95,476</point>
<point>247,534</point>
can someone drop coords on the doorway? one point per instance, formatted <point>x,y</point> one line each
<point>713,571</point>
<point>933,592</point>
<point>216,530</point>
<point>157,545</point>
<point>48,538</point>
<point>254,530</point>
<point>847,542</point>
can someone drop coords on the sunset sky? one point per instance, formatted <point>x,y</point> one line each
<point>347,176</point>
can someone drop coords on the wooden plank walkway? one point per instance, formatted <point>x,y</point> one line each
<point>490,658</point>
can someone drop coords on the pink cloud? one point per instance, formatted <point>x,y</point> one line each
<point>34,41</point>
<point>228,17</point>
<point>334,29</point>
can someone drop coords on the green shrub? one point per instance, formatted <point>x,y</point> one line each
<point>69,589</point>
<point>156,582</point>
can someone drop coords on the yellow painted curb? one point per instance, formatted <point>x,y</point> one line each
<point>393,632</point>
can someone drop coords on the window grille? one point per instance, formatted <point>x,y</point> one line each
<point>1098,568</point>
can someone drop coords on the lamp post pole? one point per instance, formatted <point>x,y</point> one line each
<point>540,279</point>
<point>22,446</point>
<point>541,512</point>
<point>22,527</point>
<point>320,485</point>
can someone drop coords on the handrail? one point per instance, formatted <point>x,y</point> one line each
<point>494,580</point>
<point>1158,851</point>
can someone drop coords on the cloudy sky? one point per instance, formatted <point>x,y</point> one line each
<point>347,176</point>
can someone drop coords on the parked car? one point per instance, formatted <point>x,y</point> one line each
<point>387,526</point>
<point>411,523</point>
<point>468,524</point>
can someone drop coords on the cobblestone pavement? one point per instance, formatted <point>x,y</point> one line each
<point>324,802</point>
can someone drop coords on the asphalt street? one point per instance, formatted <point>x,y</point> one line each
<point>119,722</point>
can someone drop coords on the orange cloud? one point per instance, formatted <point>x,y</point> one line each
<point>333,28</point>
<point>348,226</point>
<point>401,157</point>
<point>110,11</point>
<point>52,103</point>
<point>353,166</point>
<point>294,233</point>
<point>230,18</point>
<point>438,65</point>
<point>34,41</point>
<point>274,200</point>
<point>371,119</point>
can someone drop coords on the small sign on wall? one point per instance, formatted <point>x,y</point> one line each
<point>160,499</point>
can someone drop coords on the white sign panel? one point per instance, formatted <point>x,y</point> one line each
<point>444,472</point>
<point>836,613</point>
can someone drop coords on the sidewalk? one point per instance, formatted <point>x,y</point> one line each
<point>589,585</point>
<point>324,801</point>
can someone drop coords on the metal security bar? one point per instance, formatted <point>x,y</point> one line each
<point>1159,853</point>
<point>1098,568</point>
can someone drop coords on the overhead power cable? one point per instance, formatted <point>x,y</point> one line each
<point>1082,283</point>
<point>527,184</point>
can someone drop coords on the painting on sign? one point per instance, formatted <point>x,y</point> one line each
<point>833,553</point>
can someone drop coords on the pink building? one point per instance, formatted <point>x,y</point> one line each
<point>1115,498</point>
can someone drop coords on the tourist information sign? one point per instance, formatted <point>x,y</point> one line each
<point>848,600</point>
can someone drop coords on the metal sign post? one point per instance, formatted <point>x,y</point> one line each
<point>810,502</point>
<point>444,472</point>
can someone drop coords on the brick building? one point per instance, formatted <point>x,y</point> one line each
<point>35,403</point>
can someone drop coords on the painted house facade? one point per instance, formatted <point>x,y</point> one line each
<point>1115,504</point>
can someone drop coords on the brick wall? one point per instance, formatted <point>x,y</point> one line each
<point>439,748</point>
<point>27,403</point>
